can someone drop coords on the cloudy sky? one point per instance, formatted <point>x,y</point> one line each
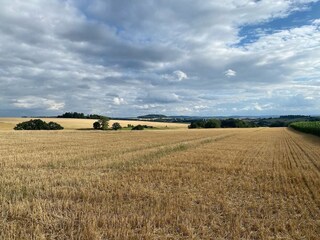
<point>181,57</point>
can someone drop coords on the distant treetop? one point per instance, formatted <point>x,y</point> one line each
<point>224,123</point>
<point>294,116</point>
<point>80,115</point>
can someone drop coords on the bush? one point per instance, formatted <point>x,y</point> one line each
<point>116,126</point>
<point>96,125</point>
<point>138,127</point>
<point>38,124</point>
<point>54,126</point>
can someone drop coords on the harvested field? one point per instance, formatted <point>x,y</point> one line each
<point>75,124</point>
<point>182,184</point>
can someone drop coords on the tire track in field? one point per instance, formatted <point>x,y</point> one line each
<point>288,176</point>
<point>295,175</point>
<point>309,170</point>
<point>300,176</point>
<point>311,155</point>
<point>288,206</point>
<point>163,151</point>
<point>101,157</point>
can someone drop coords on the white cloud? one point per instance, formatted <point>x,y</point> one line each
<point>200,107</point>
<point>176,76</point>
<point>309,98</point>
<point>258,107</point>
<point>147,106</point>
<point>180,75</point>
<point>230,73</point>
<point>316,22</point>
<point>118,101</point>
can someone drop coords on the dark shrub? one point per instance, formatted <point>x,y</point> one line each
<point>138,127</point>
<point>146,126</point>
<point>96,125</point>
<point>38,124</point>
<point>54,126</point>
<point>116,126</point>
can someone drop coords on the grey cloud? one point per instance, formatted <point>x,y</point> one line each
<point>97,55</point>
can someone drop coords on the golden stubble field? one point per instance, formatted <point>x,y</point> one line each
<point>181,184</point>
<point>78,124</point>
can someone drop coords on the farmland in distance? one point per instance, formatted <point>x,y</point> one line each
<point>81,124</point>
<point>258,183</point>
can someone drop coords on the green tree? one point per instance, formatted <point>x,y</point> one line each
<point>233,123</point>
<point>116,126</point>
<point>212,123</point>
<point>197,124</point>
<point>104,123</point>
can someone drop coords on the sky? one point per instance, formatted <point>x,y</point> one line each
<point>183,57</point>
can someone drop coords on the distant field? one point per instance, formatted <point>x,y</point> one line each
<point>73,124</point>
<point>256,183</point>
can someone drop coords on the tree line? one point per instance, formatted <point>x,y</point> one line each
<point>79,115</point>
<point>225,123</point>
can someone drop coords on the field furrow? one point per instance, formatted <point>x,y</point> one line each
<point>295,183</point>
